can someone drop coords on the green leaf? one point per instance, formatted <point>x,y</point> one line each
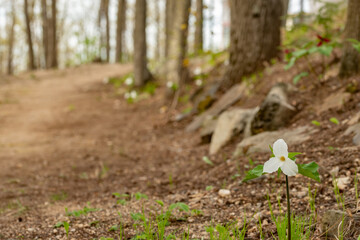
<point>325,50</point>
<point>316,123</point>
<point>207,160</point>
<point>272,151</point>
<point>292,155</point>
<point>59,224</point>
<point>310,170</point>
<point>254,173</point>
<point>300,53</point>
<point>297,78</point>
<point>290,64</point>
<point>334,120</point>
<point>180,205</point>
<point>161,203</point>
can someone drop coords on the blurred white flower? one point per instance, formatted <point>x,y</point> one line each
<point>129,81</point>
<point>106,80</point>
<point>127,95</point>
<point>198,82</point>
<point>169,84</point>
<point>133,94</point>
<point>281,160</point>
<point>197,71</point>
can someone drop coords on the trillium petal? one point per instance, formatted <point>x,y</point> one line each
<point>289,167</point>
<point>272,165</point>
<point>280,148</point>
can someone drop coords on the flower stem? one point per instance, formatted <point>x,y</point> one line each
<point>288,208</point>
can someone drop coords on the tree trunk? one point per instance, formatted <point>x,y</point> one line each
<point>120,30</point>
<point>169,17</point>
<point>177,66</point>
<point>49,33</point>
<point>29,37</point>
<point>104,29</point>
<point>54,62</point>
<point>45,29</point>
<point>301,11</point>
<point>158,30</point>
<point>285,12</point>
<point>199,27</point>
<point>254,37</point>
<point>10,67</point>
<point>351,57</point>
<point>141,72</point>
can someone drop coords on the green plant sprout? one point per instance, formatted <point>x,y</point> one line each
<point>334,120</point>
<point>207,160</point>
<point>282,160</point>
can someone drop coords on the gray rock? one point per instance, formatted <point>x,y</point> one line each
<point>354,129</point>
<point>229,98</point>
<point>261,142</point>
<point>335,100</point>
<point>208,129</point>
<point>275,111</point>
<point>230,124</point>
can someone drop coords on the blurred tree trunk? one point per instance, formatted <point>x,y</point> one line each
<point>351,57</point>
<point>158,29</point>
<point>177,65</point>
<point>198,46</point>
<point>29,37</point>
<point>10,67</point>
<point>120,30</point>
<point>104,24</point>
<point>169,16</point>
<point>45,32</point>
<point>53,49</point>
<point>254,37</point>
<point>49,33</point>
<point>301,11</point>
<point>285,12</point>
<point>141,72</point>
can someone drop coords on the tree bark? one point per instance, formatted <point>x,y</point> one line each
<point>120,30</point>
<point>169,16</point>
<point>54,62</point>
<point>285,12</point>
<point>177,66</point>
<point>158,30</point>
<point>45,30</point>
<point>254,37</point>
<point>198,46</point>
<point>10,67</point>
<point>351,57</point>
<point>29,37</point>
<point>49,21</point>
<point>141,72</point>
<point>104,24</point>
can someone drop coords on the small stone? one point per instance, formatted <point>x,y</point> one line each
<point>301,194</point>
<point>30,229</point>
<point>224,192</point>
<point>342,182</point>
<point>334,171</point>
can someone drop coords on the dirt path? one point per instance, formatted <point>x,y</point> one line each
<point>67,139</point>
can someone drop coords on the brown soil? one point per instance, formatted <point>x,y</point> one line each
<point>67,139</point>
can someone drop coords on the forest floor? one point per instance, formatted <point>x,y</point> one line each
<point>68,141</point>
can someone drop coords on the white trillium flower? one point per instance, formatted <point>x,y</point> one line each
<point>197,71</point>
<point>133,94</point>
<point>281,160</point>
<point>198,82</point>
<point>169,84</point>
<point>129,81</point>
